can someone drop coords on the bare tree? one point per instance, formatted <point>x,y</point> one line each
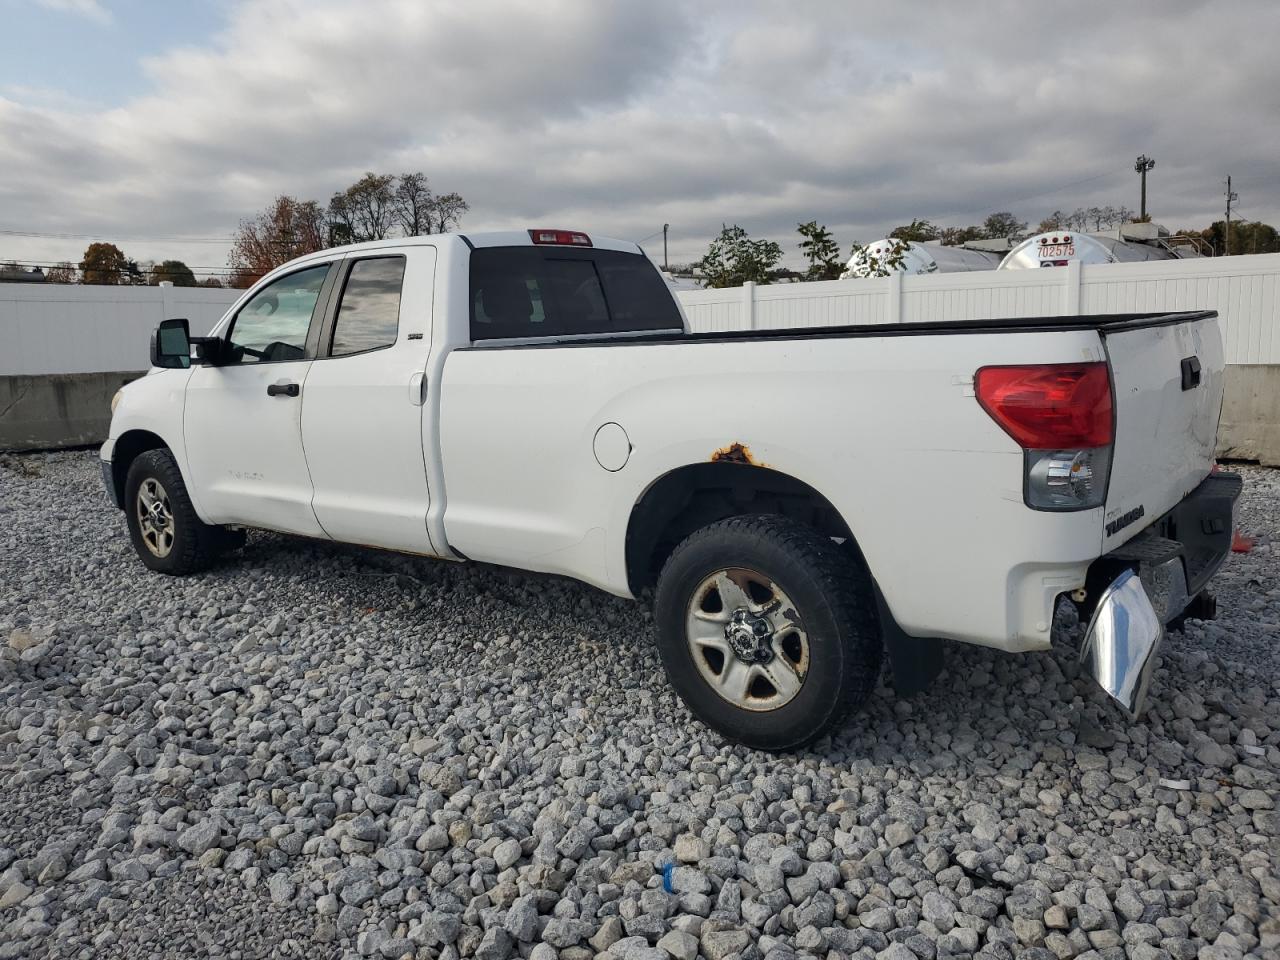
<point>365,210</point>
<point>447,211</point>
<point>413,204</point>
<point>64,272</point>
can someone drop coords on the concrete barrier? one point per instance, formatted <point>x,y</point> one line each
<point>1250,425</point>
<point>57,410</point>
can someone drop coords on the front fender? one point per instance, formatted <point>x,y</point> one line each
<point>151,405</point>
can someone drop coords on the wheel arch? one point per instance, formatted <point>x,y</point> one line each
<point>689,497</point>
<point>128,447</point>
<point>692,496</point>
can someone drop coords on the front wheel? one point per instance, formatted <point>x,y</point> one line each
<point>767,630</point>
<point>166,533</point>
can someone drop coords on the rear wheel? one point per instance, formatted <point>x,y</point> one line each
<point>768,630</point>
<point>166,533</point>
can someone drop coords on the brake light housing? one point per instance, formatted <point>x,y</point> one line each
<point>1063,417</point>
<point>561,238</point>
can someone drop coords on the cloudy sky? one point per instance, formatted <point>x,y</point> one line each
<point>159,125</point>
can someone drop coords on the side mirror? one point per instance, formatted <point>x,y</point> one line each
<point>171,345</point>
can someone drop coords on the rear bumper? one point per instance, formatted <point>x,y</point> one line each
<point>1149,582</point>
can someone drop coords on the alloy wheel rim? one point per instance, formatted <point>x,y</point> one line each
<point>747,639</point>
<point>155,517</point>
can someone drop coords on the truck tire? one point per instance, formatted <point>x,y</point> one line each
<point>163,525</point>
<point>767,630</point>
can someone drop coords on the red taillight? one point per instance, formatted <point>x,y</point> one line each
<point>1049,406</point>
<point>567,238</point>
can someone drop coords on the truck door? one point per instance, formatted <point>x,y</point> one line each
<point>362,413</point>
<point>242,418</point>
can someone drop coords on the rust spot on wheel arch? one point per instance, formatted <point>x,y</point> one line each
<point>736,453</point>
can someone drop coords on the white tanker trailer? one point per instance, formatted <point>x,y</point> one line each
<point>916,259</point>
<point>1131,243</point>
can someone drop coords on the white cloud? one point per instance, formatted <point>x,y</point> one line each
<point>619,117</point>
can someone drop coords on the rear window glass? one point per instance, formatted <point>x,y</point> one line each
<point>561,291</point>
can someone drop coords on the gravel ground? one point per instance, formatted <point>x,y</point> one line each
<point>314,751</point>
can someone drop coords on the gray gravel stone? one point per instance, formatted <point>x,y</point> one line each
<point>680,945</point>
<point>334,752</point>
<point>719,944</point>
<point>200,836</point>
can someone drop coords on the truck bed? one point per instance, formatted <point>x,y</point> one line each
<point>1110,323</point>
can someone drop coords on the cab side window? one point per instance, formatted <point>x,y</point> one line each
<point>273,325</point>
<point>369,310</point>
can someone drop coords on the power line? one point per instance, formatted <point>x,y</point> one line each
<point>57,263</point>
<point>105,236</point>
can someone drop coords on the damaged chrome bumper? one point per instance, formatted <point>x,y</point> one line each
<point>1120,645</point>
<point>1154,580</point>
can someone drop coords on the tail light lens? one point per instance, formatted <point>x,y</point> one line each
<point>1061,416</point>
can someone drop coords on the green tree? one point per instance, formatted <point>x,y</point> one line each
<point>917,231</point>
<point>733,258</point>
<point>959,236</point>
<point>134,275</point>
<point>1246,237</point>
<point>821,250</point>
<point>175,271</point>
<point>1004,225</point>
<point>864,261</point>
<point>104,263</point>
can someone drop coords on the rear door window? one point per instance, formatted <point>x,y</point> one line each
<point>369,311</point>
<point>560,291</point>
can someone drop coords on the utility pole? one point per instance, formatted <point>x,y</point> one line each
<point>1226,234</point>
<point>1142,165</point>
<point>665,266</point>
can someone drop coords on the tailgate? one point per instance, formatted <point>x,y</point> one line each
<point>1168,381</point>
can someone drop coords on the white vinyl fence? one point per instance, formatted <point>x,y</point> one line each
<point>69,328</point>
<point>1244,290</point>
<point>56,328</point>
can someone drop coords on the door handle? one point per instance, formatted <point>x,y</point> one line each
<point>1190,373</point>
<point>283,390</point>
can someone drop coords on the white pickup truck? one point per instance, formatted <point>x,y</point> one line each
<point>802,502</point>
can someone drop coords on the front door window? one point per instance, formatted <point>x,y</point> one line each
<point>273,325</point>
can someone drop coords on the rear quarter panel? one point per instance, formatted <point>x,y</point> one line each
<point>886,428</point>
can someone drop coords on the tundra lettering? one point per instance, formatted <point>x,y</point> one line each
<point>1122,521</point>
